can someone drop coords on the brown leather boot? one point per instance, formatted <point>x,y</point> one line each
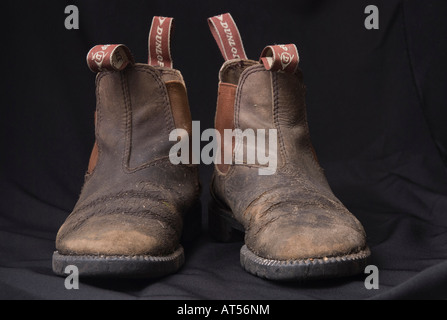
<point>295,228</point>
<point>128,220</point>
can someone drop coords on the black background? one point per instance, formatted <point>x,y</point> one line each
<point>377,115</point>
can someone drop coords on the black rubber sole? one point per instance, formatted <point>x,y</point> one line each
<point>120,266</point>
<point>304,270</point>
<point>225,228</point>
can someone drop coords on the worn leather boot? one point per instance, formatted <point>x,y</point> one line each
<point>129,218</point>
<point>295,228</point>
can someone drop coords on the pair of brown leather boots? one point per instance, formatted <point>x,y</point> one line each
<point>136,202</point>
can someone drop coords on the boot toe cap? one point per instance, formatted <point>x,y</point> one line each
<point>308,235</point>
<point>118,235</point>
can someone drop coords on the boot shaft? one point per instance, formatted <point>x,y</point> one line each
<point>136,111</point>
<point>138,105</point>
<point>267,95</point>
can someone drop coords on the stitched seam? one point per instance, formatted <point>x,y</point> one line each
<point>98,123</point>
<point>169,122</point>
<point>125,195</point>
<point>128,120</point>
<point>276,115</point>
<point>80,221</point>
<point>242,80</point>
<point>167,110</point>
<point>148,214</point>
<point>168,216</point>
<point>236,121</point>
<point>148,164</point>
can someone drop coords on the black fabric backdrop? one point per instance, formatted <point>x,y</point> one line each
<point>377,114</point>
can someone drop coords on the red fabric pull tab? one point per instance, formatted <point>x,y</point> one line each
<point>113,57</point>
<point>160,42</point>
<point>227,36</point>
<point>280,58</point>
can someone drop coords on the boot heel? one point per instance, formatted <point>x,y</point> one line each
<point>222,226</point>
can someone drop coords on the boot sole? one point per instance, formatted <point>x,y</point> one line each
<point>225,228</point>
<point>141,266</point>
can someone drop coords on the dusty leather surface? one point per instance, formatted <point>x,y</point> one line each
<point>132,202</point>
<point>292,214</point>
